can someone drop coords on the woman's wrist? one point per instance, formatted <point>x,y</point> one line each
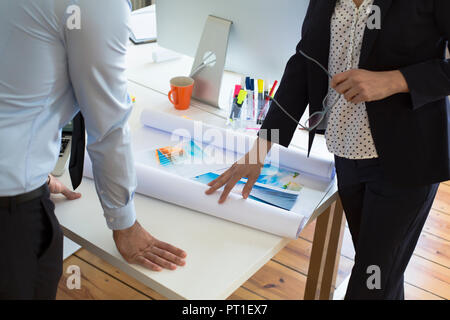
<point>261,149</point>
<point>398,82</point>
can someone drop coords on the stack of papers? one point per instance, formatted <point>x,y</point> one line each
<point>143,25</point>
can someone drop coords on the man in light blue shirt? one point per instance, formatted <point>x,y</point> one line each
<point>58,57</point>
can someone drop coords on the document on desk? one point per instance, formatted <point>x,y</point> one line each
<point>143,25</point>
<point>276,186</point>
<point>176,157</point>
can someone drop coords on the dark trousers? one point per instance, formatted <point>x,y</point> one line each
<point>385,222</point>
<point>31,247</point>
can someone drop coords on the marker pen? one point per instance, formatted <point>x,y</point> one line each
<point>262,115</point>
<point>250,86</point>
<point>237,107</point>
<point>237,89</point>
<point>260,95</point>
<point>266,89</point>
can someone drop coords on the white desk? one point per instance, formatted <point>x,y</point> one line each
<point>221,255</point>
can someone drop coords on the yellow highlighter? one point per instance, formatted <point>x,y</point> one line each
<point>260,95</point>
<point>237,107</point>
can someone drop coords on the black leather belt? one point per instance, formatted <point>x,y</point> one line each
<point>6,202</point>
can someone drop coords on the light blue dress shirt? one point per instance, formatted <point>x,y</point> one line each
<point>49,70</point>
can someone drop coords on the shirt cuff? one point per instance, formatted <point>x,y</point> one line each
<point>121,218</point>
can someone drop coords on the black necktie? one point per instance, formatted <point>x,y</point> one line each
<point>77,151</point>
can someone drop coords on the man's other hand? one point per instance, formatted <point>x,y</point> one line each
<point>56,187</point>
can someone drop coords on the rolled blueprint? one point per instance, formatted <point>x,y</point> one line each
<point>249,213</point>
<point>315,165</point>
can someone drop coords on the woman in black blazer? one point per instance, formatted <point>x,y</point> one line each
<point>403,79</point>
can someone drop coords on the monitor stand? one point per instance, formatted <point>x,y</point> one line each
<point>209,63</point>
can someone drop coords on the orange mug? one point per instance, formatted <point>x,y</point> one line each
<point>181,92</point>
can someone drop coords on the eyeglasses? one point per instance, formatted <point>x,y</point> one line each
<point>317,117</point>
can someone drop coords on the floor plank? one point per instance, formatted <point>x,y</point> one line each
<point>414,293</point>
<point>428,276</point>
<point>95,285</point>
<point>116,273</point>
<point>438,224</point>
<point>308,232</point>
<point>277,282</point>
<point>442,201</point>
<point>434,249</point>
<point>296,256</point>
<point>244,294</point>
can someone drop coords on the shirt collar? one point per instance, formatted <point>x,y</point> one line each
<point>352,4</point>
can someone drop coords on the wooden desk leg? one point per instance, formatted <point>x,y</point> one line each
<point>325,253</point>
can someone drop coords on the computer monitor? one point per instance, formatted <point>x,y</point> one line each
<point>262,37</point>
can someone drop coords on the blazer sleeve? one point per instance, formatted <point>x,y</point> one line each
<point>292,95</point>
<point>429,81</point>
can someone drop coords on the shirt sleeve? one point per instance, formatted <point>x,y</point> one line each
<point>96,54</point>
<point>429,81</point>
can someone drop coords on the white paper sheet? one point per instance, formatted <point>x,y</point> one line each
<point>143,24</point>
<point>318,166</point>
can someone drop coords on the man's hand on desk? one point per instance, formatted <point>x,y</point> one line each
<point>56,187</point>
<point>137,246</point>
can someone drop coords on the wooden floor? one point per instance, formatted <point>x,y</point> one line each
<point>284,277</point>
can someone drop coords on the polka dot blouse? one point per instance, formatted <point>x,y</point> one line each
<point>348,132</point>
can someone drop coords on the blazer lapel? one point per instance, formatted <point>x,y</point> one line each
<point>370,35</point>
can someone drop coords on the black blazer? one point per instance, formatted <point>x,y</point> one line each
<point>410,130</point>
